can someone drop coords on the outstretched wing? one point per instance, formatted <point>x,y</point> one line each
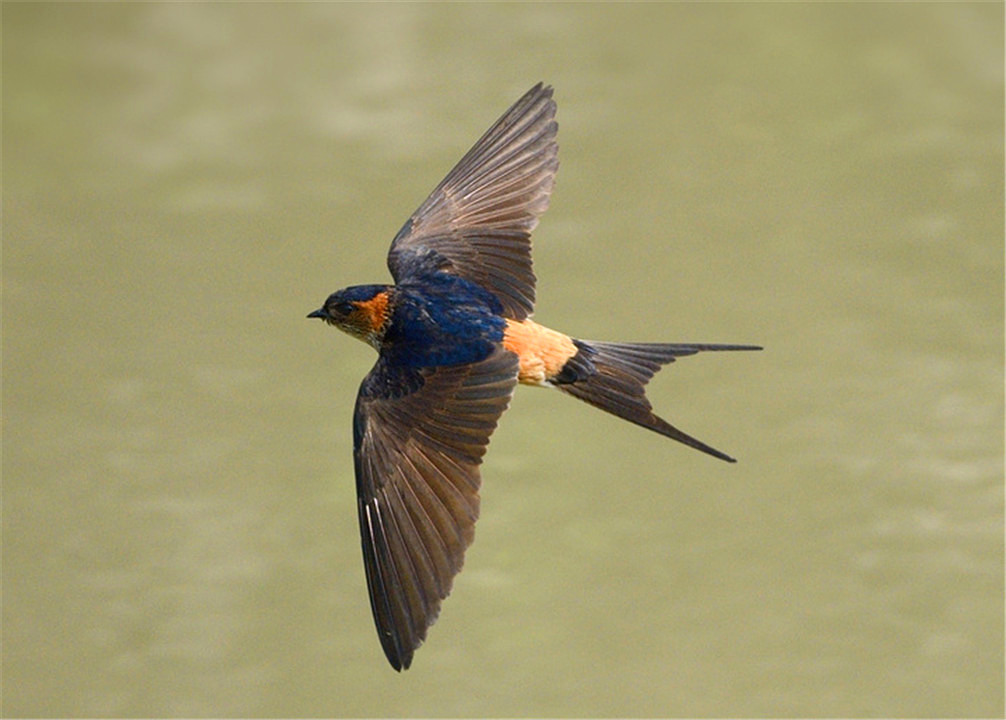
<point>478,221</point>
<point>419,437</point>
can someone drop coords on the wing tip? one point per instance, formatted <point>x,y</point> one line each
<point>540,88</point>
<point>398,661</point>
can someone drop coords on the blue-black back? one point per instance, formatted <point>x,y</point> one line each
<point>442,319</point>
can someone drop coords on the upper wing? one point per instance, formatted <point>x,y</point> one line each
<point>478,221</point>
<point>419,437</point>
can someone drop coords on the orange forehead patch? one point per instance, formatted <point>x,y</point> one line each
<point>542,351</point>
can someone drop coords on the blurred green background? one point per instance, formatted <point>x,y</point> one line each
<point>184,182</point>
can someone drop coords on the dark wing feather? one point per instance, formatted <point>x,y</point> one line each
<point>419,437</point>
<point>477,223</point>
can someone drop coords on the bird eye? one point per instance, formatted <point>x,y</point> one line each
<point>344,307</point>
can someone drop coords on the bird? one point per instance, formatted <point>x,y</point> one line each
<point>454,337</point>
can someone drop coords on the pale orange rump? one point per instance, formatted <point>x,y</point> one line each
<point>543,352</point>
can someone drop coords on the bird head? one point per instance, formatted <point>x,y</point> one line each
<point>361,311</point>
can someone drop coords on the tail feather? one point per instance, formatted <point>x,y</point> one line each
<point>613,376</point>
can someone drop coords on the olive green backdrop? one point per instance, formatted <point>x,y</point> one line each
<point>182,183</point>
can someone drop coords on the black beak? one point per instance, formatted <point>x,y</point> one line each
<point>319,313</point>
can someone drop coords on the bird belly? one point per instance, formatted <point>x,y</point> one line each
<point>542,352</point>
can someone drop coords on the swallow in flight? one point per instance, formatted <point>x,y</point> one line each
<point>454,336</point>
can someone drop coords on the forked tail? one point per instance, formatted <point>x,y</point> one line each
<point>613,376</point>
